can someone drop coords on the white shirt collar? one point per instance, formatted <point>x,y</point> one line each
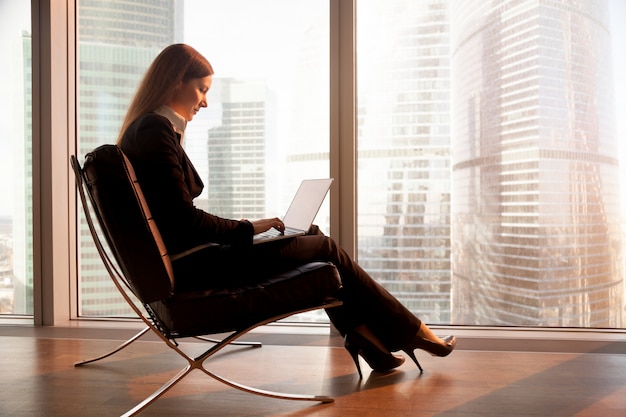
<point>178,122</point>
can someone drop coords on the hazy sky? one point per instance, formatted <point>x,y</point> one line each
<point>238,44</point>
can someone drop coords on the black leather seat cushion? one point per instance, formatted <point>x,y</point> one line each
<point>216,311</point>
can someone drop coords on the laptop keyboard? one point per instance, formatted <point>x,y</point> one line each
<point>273,233</point>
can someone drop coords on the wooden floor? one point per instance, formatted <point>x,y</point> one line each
<point>39,379</point>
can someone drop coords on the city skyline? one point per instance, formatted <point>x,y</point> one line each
<point>404,149</point>
<point>228,64</point>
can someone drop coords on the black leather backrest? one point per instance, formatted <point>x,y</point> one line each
<point>126,223</point>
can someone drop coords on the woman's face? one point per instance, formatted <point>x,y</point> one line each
<point>190,97</point>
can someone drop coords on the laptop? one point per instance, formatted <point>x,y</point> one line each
<point>301,212</point>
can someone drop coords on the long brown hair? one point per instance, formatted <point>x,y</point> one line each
<point>178,63</point>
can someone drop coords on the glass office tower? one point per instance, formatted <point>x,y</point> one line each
<point>535,175</point>
<point>22,199</point>
<point>237,148</point>
<point>117,40</point>
<point>16,203</point>
<point>404,151</point>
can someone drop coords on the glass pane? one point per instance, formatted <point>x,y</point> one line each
<point>489,180</point>
<point>111,60</point>
<point>266,125</point>
<point>404,151</point>
<point>16,256</point>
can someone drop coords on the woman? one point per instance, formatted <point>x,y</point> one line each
<point>173,90</point>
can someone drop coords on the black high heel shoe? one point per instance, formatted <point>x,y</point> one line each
<point>434,348</point>
<point>377,359</point>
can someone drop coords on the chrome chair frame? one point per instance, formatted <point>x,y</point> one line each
<point>147,316</point>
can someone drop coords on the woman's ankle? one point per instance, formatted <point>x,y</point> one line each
<point>425,333</point>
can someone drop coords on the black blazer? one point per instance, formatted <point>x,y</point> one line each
<point>170,183</point>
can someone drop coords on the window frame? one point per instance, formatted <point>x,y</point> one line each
<point>54,140</point>
<point>54,229</point>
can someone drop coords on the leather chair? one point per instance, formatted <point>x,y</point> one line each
<point>141,269</point>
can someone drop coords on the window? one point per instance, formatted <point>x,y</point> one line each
<point>488,160</point>
<point>489,140</point>
<point>266,125</point>
<point>16,258</point>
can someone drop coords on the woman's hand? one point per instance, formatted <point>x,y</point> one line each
<point>266,224</point>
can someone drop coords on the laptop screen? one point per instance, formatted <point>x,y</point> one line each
<point>306,203</point>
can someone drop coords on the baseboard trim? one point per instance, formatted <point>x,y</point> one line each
<point>469,338</point>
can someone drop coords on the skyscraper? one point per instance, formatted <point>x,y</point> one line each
<point>117,41</point>
<point>404,152</point>
<point>22,231</point>
<point>237,149</point>
<point>536,213</point>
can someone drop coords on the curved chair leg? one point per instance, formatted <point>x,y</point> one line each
<point>237,343</point>
<point>117,349</point>
<point>265,393</point>
<point>198,364</point>
<point>143,331</point>
<point>156,394</point>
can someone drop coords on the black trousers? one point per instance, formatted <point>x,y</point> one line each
<point>365,302</point>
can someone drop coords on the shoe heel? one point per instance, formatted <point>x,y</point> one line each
<point>354,353</point>
<point>411,354</point>
<point>377,359</point>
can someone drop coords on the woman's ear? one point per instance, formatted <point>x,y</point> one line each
<point>174,93</point>
<point>177,87</point>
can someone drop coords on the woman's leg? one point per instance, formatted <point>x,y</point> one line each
<point>365,301</point>
<point>368,308</point>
